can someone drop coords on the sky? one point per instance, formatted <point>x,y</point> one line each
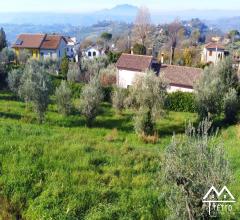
<point>93,5</point>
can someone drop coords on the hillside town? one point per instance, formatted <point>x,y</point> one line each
<point>140,123</point>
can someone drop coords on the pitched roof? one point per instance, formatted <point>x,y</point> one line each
<point>134,62</point>
<point>38,41</point>
<point>52,42</point>
<point>181,76</point>
<point>214,45</point>
<point>29,41</point>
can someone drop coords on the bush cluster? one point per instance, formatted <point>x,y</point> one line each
<point>180,102</point>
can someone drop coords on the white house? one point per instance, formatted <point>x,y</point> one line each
<point>213,52</point>
<point>72,48</point>
<point>53,47</point>
<point>93,52</point>
<point>180,78</point>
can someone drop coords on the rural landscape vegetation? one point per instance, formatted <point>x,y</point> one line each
<point>75,145</point>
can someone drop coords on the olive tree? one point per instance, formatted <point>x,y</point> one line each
<point>63,98</point>
<point>23,56</point>
<point>14,79</point>
<point>73,74</point>
<point>118,99</point>
<point>108,75</point>
<point>35,88</point>
<point>90,100</point>
<point>91,68</point>
<point>231,105</point>
<point>213,86</point>
<point>193,163</point>
<point>148,95</point>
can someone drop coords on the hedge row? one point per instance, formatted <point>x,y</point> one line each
<point>181,102</point>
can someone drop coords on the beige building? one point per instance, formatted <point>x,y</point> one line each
<point>213,52</point>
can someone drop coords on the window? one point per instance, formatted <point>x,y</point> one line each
<point>94,54</point>
<point>50,54</point>
<point>42,54</point>
<point>210,53</point>
<point>89,54</point>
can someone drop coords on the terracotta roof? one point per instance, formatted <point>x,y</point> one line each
<point>214,45</point>
<point>52,42</point>
<point>134,62</point>
<point>38,41</point>
<point>29,41</point>
<point>181,76</point>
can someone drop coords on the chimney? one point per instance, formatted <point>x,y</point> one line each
<point>162,58</point>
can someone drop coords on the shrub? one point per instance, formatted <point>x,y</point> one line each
<point>118,98</point>
<point>63,98</point>
<point>181,102</point>
<point>91,98</point>
<point>107,93</point>
<point>76,89</point>
<point>14,79</point>
<point>64,66</point>
<point>231,106</point>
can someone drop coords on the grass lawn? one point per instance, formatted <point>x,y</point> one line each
<point>64,170</point>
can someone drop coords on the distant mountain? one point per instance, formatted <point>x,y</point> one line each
<point>124,13</point>
<point>121,13</point>
<point>225,24</point>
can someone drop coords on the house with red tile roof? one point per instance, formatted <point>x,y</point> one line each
<point>179,78</point>
<point>213,52</point>
<point>41,45</point>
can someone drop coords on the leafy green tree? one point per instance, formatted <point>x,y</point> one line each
<point>187,57</point>
<point>192,165</point>
<point>195,36</point>
<point>148,95</point>
<point>106,36</point>
<point>90,100</point>
<point>64,66</point>
<point>3,40</point>
<point>35,87</point>
<point>231,105</point>
<point>118,99</point>
<point>113,56</point>
<point>139,49</point>
<point>232,35</point>
<point>14,79</point>
<point>63,98</point>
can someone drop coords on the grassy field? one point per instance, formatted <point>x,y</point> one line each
<point>64,170</point>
